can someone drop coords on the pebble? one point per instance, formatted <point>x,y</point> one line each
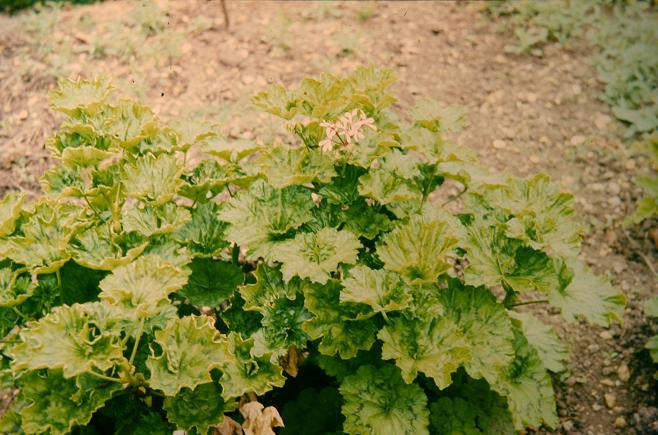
<point>596,407</point>
<point>610,400</point>
<point>531,98</point>
<point>601,121</point>
<point>577,140</point>
<point>567,425</point>
<point>623,373</point>
<point>630,164</point>
<point>576,89</point>
<point>606,335</point>
<point>22,115</point>
<point>499,144</point>
<point>613,188</point>
<point>535,159</point>
<point>620,422</point>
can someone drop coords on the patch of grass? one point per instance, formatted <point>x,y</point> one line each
<point>623,35</point>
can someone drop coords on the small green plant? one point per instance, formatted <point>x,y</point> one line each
<point>651,310</point>
<point>647,206</point>
<point>328,277</point>
<point>623,35</point>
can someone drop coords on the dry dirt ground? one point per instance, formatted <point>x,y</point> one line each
<point>525,115</point>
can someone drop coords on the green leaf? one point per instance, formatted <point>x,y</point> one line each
<point>204,233</point>
<point>589,296</point>
<point>364,221</point>
<point>149,221</point>
<point>485,326</point>
<point>56,405</point>
<point>46,233</point>
<point>247,373</point>
<point>495,259</point>
<point>651,307</point>
<point>342,328</point>
<point>277,101</point>
<point>553,353</point>
<point>153,179</point>
<point>190,348</point>
<point>652,346</point>
<point>379,402</point>
<point>139,288</point>
<point>75,339</point>
<point>232,151</point>
<point>418,249</point>
<point>131,124</point>
<point>284,166</point>
<point>10,210</point>
<point>382,290</point>
<point>269,288</point>
<point>14,287</point>
<point>211,282</point>
<point>95,249</point>
<point>262,216</point>
<point>433,116</point>
<point>387,188</point>
<point>282,327</point>
<point>316,255</point>
<point>84,156</point>
<point>433,346</point>
<point>454,416</point>
<point>528,388</point>
<point>541,214</point>
<point>74,97</point>
<point>199,408</point>
<point>470,407</point>
<point>646,208</point>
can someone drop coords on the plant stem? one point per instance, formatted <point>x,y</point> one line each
<point>105,377</point>
<point>235,254</point>
<point>21,315</point>
<point>518,304</point>
<point>140,330</point>
<point>455,197</point>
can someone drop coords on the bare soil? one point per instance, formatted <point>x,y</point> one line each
<point>526,115</point>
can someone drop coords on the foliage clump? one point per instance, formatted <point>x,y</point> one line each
<point>149,289</point>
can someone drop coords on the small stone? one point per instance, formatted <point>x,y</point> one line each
<point>535,159</point>
<point>610,400</point>
<point>22,115</point>
<point>607,382</point>
<point>531,97</point>
<point>620,422</point>
<point>630,164</point>
<point>613,188</point>
<point>247,79</point>
<point>576,89</point>
<point>623,373</point>
<point>601,121</point>
<point>500,59</point>
<point>596,407</point>
<point>545,140</point>
<point>499,144</point>
<point>567,425</point>
<point>577,140</point>
<point>606,335</point>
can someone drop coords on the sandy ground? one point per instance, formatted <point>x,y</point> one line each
<point>526,115</point>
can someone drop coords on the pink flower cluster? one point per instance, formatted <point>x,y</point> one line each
<point>346,129</point>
